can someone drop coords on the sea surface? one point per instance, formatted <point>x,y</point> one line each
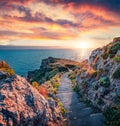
<point>23,61</point>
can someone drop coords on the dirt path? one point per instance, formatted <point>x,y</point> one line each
<point>78,113</point>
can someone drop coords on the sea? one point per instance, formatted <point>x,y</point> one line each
<point>26,60</point>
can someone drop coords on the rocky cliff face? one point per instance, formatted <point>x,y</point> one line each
<point>99,78</point>
<point>22,105</point>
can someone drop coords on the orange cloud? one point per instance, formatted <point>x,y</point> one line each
<point>66,21</point>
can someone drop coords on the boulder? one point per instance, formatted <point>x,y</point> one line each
<point>22,105</point>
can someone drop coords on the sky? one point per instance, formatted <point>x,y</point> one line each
<point>59,23</point>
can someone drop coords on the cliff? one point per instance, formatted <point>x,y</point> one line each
<point>22,105</point>
<point>50,67</point>
<point>98,81</point>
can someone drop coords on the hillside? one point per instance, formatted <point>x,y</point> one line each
<point>50,67</point>
<point>98,81</point>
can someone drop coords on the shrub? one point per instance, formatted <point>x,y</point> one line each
<point>112,116</point>
<point>42,90</point>
<point>10,71</point>
<point>104,81</point>
<point>105,55</point>
<point>116,74</point>
<point>114,48</point>
<point>55,85</point>
<point>35,84</point>
<point>63,111</point>
<point>116,59</point>
<point>5,67</point>
<point>76,89</point>
<point>52,74</point>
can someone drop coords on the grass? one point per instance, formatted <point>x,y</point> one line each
<point>63,110</point>
<point>116,59</point>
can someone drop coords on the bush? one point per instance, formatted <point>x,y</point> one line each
<point>52,74</point>
<point>114,48</point>
<point>116,59</point>
<point>42,90</point>
<point>104,81</point>
<point>10,71</point>
<point>112,117</point>
<point>35,84</point>
<point>76,89</point>
<point>116,74</point>
<point>63,111</point>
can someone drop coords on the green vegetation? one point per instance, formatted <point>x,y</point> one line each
<point>71,76</point>
<point>116,59</point>
<point>63,110</point>
<point>116,74</point>
<point>52,74</point>
<point>114,48</point>
<point>112,114</point>
<point>104,81</point>
<point>105,55</point>
<point>76,89</point>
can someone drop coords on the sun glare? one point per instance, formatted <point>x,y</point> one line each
<point>83,45</point>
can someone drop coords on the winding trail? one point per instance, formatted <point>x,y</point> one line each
<point>78,113</point>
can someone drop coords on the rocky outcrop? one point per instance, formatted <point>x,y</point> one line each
<point>99,82</point>
<point>49,68</point>
<point>22,105</point>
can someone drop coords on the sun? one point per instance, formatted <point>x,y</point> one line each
<point>82,45</point>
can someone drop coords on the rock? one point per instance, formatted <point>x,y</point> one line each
<point>118,52</point>
<point>101,90</point>
<point>49,68</point>
<point>23,105</point>
<point>3,75</point>
<point>93,55</point>
<point>116,39</point>
<point>103,85</point>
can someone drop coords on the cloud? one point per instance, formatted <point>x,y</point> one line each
<point>55,19</point>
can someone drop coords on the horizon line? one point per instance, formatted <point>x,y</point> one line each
<point>14,47</point>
